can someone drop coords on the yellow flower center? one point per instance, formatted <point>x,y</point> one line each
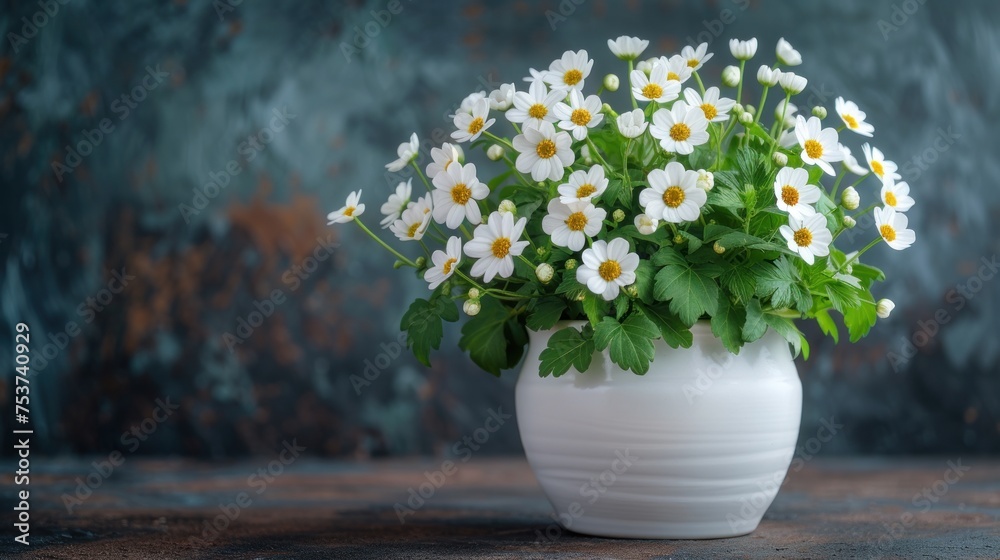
<point>888,232</point>
<point>546,149</point>
<point>461,193</point>
<point>890,199</point>
<point>803,237</point>
<point>609,270</point>
<point>673,197</point>
<point>476,125</point>
<point>790,195</point>
<point>710,111</point>
<point>580,117</point>
<point>673,76</point>
<point>349,211</point>
<point>585,190</point>
<point>652,91</point>
<point>501,247</point>
<point>577,221</point>
<point>692,62</point>
<point>877,168</point>
<point>538,111</point>
<point>850,121</point>
<point>572,77</point>
<point>446,267</point>
<point>412,232</point>
<point>814,149</point>
<point>680,132</point>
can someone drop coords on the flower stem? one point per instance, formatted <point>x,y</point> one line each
<point>781,124</point>
<point>597,154</point>
<point>631,66</point>
<point>760,108</point>
<point>861,252</point>
<point>496,138</point>
<point>739,87</point>
<point>378,240</point>
<point>697,78</point>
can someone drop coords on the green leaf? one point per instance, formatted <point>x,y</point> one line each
<point>843,296</point>
<point>484,338</point>
<point>690,291</point>
<point>755,326</point>
<point>423,325</point>
<point>727,324</point>
<point>740,281</point>
<point>780,282</point>
<point>567,348</point>
<point>694,242</point>
<point>631,341</point>
<point>675,333</point>
<point>862,318</point>
<point>546,313</point>
<point>867,274</point>
<point>615,193</point>
<point>644,280</point>
<point>827,325</point>
<point>787,329</point>
<point>593,307</point>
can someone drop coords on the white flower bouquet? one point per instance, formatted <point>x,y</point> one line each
<point>686,207</point>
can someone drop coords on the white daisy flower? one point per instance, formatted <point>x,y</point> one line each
<point>819,145</point>
<point>743,50</point>
<point>411,225</point>
<point>656,86</point>
<point>677,68</point>
<point>570,71</point>
<point>583,186</point>
<point>424,204</point>
<point>495,244</point>
<point>471,125</point>
<point>398,201</point>
<point>808,237</point>
<point>696,57</point>
<point>608,267</point>
<point>673,194</point>
<point>793,194</point>
<point>543,152</point>
<point>469,103</point>
<point>881,167</point>
<point>896,195</point>
<point>853,117</point>
<point>627,48</point>
<point>892,227</point>
<point>406,152</point>
<point>646,224</point>
<point>455,194</point>
<point>715,108</point>
<point>352,209</point>
<point>535,105</point>
<point>502,98</point>
<point>570,225</point>
<point>445,263</point>
<point>680,128</point>
<point>579,115</point>
<point>442,157</point>
<point>786,54</point>
<point>632,123</point>
<point>851,163</point>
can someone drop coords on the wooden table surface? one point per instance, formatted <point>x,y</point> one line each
<point>489,508</point>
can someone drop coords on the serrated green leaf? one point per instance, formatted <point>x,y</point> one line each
<point>483,336</point>
<point>593,307</point>
<point>740,281</point>
<point>644,274</point>
<point>755,326</point>
<point>694,242</point>
<point>787,329</point>
<point>423,325</point>
<point>567,348</point>
<point>690,291</point>
<point>727,324</point>
<point>630,342</point>
<point>827,325</point>
<point>780,282</point>
<point>546,313</point>
<point>861,319</point>
<point>843,296</point>
<point>675,333</point>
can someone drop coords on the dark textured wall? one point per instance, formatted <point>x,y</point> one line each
<point>201,77</point>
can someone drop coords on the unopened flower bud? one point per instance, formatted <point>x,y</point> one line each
<point>706,181</point>
<point>750,109</point>
<point>718,248</point>
<point>507,207</point>
<point>632,290</point>
<point>678,239</point>
<point>738,109</point>
<point>611,82</point>
<point>731,76</point>
<point>542,251</point>
<point>495,152</point>
<point>398,265</point>
<point>767,76</point>
<point>544,272</point>
<point>884,307</point>
<point>819,111</point>
<point>746,118</point>
<point>585,154</point>
<point>421,261</point>
<point>570,264</point>
<point>473,293</point>
<point>850,198</point>
<point>779,159</point>
<point>646,225</point>
<point>472,307</point>
<point>619,216</point>
<point>849,222</point>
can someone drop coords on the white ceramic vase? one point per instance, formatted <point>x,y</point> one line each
<point>696,448</point>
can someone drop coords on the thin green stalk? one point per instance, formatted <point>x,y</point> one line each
<point>596,153</point>
<point>631,66</point>
<point>760,108</point>
<point>739,87</point>
<point>697,78</point>
<point>781,124</point>
<point>378,240</point>
<point>859,253</point>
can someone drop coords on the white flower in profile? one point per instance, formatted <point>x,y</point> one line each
<point>442,157</point>
<point>471,125</point>
<point>656,86</point>
<point>706,180</point>
<point>792,83</point>
<point>851,162</point>
<point>502,98</point>
<point>716,108</point>
<point>881,167</point>
<point>632,124</point>
<point>456,192</point>
<point>790,110</point>
<point>608,267</point>
<point>820,146</point>
<point>793,193</point>
<point>543,152</point>
<point>696,57</point>
<point>444,263</point>
<point>680,128</point>
<point>535,105</point>
<point>786,54</point>
<point>743,50</point>
<point>398,201</point>
<point>808,237</point>
<point>569,71</point>
<point>646,224</point>
<point>469,102</point>
<point>352,209</point>
<point>884,308</point>
<point>767,76</point>
<point>853,117</point>
<point>627,48</point>
<point>495,244</point>
<point>677,68</point>
<point>896,195</point>
<point>673,194</point>
<point>406,152</point>
<point>892,227</point>
<point>583,186</point>
<point>571,224</point>
<point>579,115</point>
<point>412,224</point>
